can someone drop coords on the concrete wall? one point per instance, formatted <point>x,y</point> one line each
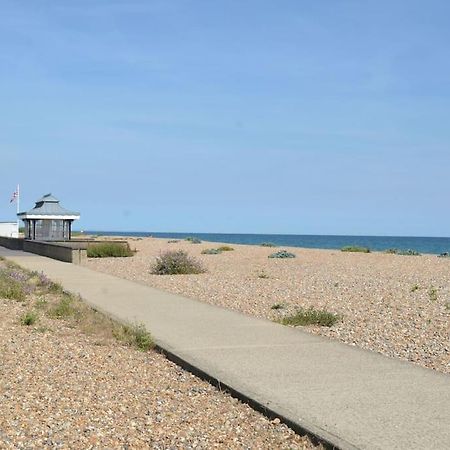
<point>11,243</point>
<point>62,252</point>
<point>71,251</point>
<point>9,229</point>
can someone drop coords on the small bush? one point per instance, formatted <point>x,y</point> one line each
<point>282,254</point>
<point>267,244</point>
<point>409,252</point>
<point>108,250</point>
<point>211,251</point>
<point>444,255</point>
<point>263,275</point>
<point>135,335</point>
<point>176,263</point>
<point>433,294</point>
<point>193,240</point>
<point>392,251</point>
<point>355,249</point>
<point>415,288</point>
<point>311,316</point>
<point>29,318</point>
<point>173,241</point>
<point>225,248</point>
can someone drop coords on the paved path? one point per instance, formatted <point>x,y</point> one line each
<point>352,398</point>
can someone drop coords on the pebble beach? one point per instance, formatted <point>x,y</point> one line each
<point>392,304</point>
<point>63,389</point>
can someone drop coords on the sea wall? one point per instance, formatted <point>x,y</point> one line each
<point>74,252</point>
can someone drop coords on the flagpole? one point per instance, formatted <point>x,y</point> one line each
<point>18,208</point>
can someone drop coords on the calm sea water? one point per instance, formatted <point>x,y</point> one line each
<point>434,245</point>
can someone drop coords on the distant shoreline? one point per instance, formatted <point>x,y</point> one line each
<point>427,245</point>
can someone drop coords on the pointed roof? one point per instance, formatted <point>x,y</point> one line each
<point>48,207</point>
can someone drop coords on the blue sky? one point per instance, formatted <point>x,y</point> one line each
<point>324,117</point>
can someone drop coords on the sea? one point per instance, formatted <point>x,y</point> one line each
<point>433,245</point>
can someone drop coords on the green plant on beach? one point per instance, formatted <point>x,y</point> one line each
<point>53,301</point>
<point>409,252</point>
<point>193,240</point>
<point>267,244</point>
<point>433,293</point>
<point>173,241</point>
<point>282,254</point>
<point>262,274</point>
<point>29,318</point>
<point>225,248</point>
<point>311,316</point>
<point>355,249</point>
<point>108,250</point>
<point>176,263</point>
<point>415,288</point>
<point>12,285</point>
<point>211,251</point>
<point>135,335</point>
<point>65,307</point>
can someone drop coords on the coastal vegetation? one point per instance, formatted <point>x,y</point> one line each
<point>408,252</point>
<point>311,316</point>
<point>177,262</point>
<point>211,251</point>
<point>216,251</point>
<point>225,248</point>
<point>44,298</point>
<point>355,249</point>
<point>193,240</point>
<point>282,254</point>
<point>267,244</point>
<point>109,250</point>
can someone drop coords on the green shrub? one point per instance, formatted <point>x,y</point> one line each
<point>173,241</point>
<point>282,254</point>
<point>211,251</point>
<point>29,318</point>
<point>176,263</point>
<point>355,249</point>
<point>444,255</point>
<point>193,240</point>
<point>267,244</point>
<point>433,293</point>
<point>135,335</point>
<point>409,252</point>
<point>263,275</point>
<point>108,250</point>
<point>415,288</point>
<point>311,316</point>
<point>225,248</point>
<point>392,251</point>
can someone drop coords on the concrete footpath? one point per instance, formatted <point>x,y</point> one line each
<point>349,397</point>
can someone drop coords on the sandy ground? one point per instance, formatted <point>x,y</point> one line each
<point>62,389</point>
<point>395,305</point>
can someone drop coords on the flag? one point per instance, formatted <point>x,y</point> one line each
<point>14,196</point>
